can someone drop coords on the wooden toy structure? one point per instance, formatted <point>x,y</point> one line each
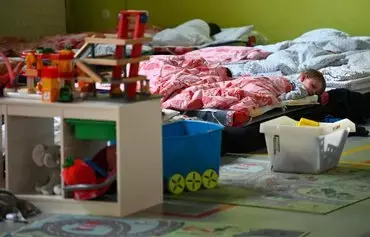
<point>124,69</point>
<point>124,66</point>
<point>60,63</point>
<point>34,65</point>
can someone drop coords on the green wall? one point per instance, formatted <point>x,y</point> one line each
<point>277,19</point>
<point>32,19</point>
<point>88,15</point>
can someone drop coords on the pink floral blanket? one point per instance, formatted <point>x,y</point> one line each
<point>227,54</point>
<point>197,80</point>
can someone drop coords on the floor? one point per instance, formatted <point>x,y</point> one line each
<point>351,221</point>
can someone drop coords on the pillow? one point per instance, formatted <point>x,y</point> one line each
<point>191,33</point>
<point>231,34</point>
<point>321,34</point>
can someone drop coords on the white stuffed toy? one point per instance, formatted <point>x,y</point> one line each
<point>48,156</point>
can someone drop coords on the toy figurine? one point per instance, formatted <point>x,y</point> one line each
<point>49,157</point>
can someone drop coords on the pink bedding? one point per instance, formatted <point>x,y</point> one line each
<point>197,80</point>
<point>13,47</point>
<point>227,54</point>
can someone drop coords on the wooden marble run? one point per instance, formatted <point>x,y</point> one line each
<point>130,32</point>
<point>51,76</point>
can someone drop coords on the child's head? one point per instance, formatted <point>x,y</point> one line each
<point>214,29</point>
<point>313,81</point>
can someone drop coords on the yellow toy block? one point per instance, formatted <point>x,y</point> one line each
<point>307,122</point>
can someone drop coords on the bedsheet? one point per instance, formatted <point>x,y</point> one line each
<point>356,67</point>
<point>198,80</point>
<point>14,47</point>
<point>235,36</point>
<point>360,85</point>
<point>8,43</point>
<point>226,54</point>
<point>223,116</point>
<point>336,54</point>
<point>3,69</point>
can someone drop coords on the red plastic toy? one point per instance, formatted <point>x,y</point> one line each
<point>123,33</point>
<point>86,182</point>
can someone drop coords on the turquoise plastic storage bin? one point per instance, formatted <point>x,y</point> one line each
<point>191,145</point>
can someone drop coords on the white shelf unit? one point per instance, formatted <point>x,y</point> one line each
<point>139,151</point>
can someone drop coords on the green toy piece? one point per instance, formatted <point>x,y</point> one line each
<point>65,94</point>
<point>42,50</point>
<point>68,162</point>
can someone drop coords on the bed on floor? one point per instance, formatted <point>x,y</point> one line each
<point>199,82</point>
<point>13,46</point>
<point>192,35</point>
<point>197,34</point>
<point>188,36</point>
<point>343,59</point>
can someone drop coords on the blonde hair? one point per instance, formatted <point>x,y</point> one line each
<point>316,75</point>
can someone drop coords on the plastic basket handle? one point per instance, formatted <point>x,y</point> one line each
<point>84,187</point>
<point>8,66</point>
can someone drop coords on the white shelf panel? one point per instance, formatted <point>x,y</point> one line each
<point>139,156</point>
<point>2,109</point>
<point>33,111</point>
<point>91,113</point>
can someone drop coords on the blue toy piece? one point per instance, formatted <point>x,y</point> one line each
<point>95,167</point>
<point>191,155</point>
<point>143,18</point>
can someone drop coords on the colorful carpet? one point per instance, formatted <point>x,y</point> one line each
<point>193,210</point>
<point>249,182</point>
<point>186,209</point>
<point>80,226</point>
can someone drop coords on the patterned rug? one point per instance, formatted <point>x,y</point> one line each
<point>193,210</point>
<point>80,226</point>
<point>249,182</point>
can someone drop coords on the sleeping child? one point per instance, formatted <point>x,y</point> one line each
<point>309,82</point>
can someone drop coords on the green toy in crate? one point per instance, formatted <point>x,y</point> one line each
<point>93,129</point>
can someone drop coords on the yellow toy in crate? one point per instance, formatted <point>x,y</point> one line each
<point>307,122</point>
<point>305,146</point>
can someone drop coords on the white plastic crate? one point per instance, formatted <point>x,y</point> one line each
<point>305,149</point>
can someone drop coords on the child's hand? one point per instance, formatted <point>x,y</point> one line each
<point>324,98</point>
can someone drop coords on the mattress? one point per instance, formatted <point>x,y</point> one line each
<point>219,116</point>
<point>226,118</point>
<point>360,85</point>
<point>248,138</point>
